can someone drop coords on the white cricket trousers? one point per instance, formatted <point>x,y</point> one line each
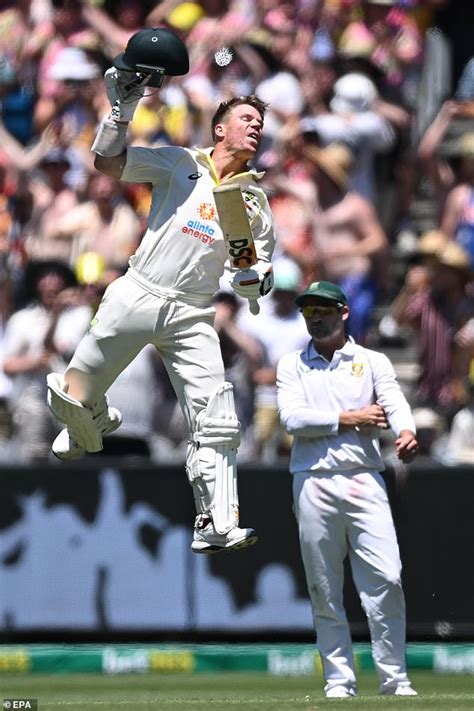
<point>348,514</point>
<point>128,318</point>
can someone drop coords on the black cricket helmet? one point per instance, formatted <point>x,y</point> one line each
<point>156,51</point>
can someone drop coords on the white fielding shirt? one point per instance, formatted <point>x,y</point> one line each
<point>182,252</point>
<point>312,392</point>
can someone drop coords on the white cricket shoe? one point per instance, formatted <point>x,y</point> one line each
<point>402,689</point>
<point>65,447</point>
<point>207,540</point>
<point>340,692</point>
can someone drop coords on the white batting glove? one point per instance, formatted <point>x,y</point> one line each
<point>253,283</point>
<point>124,90</point>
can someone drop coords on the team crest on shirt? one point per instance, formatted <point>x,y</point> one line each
<point>358,369</point>
<point>207,211</point>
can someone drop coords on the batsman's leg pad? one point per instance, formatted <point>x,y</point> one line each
<point>211,460</point>
<point>79,419</point>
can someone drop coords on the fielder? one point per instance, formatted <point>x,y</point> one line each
<point>334,397</point>
<point>165,296</point>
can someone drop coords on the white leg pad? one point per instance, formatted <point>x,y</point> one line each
<point>71,412</point>
<point>225,504</point>
<point>211,460</point>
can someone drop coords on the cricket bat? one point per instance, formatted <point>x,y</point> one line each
<point>235,226</point>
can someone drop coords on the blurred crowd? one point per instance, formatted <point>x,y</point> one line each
<point>368,155</point>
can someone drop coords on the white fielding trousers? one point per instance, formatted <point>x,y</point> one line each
<point>348,514</point>
<point>129,318</point>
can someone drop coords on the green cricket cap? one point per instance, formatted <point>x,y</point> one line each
<point>323,290</point>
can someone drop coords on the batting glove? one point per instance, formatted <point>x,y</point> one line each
<point>253,283</point>
<point>124,90</point>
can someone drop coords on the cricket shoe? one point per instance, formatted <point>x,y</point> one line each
<point>66,447</point>
<point>402,689</point>
<point>340,692</point>
<point>207,540</point>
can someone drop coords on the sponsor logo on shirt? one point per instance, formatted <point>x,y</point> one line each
<point>194,176</point>
<point>207,211</point>
<point>358,369</point>
<point>199,229</point>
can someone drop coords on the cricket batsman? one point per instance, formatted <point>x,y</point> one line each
<point>165,296</point>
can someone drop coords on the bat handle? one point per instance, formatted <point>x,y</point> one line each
<point>254,307</point>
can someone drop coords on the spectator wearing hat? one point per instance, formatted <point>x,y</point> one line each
<point>423,252</point>
<point>436,306</point>
<point>457,221</point>
<point>73,105</point>
<point>64,28</point>
<point>72,101</point>
<point>353,120</point>
<point>350,243</point>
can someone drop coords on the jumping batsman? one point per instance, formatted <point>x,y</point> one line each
<point>335,397</point>
<point>165,296</point>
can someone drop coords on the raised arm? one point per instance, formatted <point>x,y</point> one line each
<point>124,89</point>
<point>104,25</point>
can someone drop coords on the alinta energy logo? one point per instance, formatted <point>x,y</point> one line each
<point>207,211</point>
<point>199,229</point>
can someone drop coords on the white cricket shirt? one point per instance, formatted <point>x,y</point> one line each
<point>183,251</point>
<point>312,392</point>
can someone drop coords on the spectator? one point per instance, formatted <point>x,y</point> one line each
<point>105,223</point>
<point>280,89</point>
<point>71,104</point>
<point>351,246</point>
<point>391,40</point>
<point>353,120</point>
<point>439,146</point>
<point>66,28</point>
<point>38,337</point>
<point>435,305</point>
<point>457,220</point>
<point>52,200</point>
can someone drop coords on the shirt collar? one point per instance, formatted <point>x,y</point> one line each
<point>347,351</point>
<point>205,156</point>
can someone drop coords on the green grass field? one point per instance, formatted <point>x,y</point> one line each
<point>246,692</point>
